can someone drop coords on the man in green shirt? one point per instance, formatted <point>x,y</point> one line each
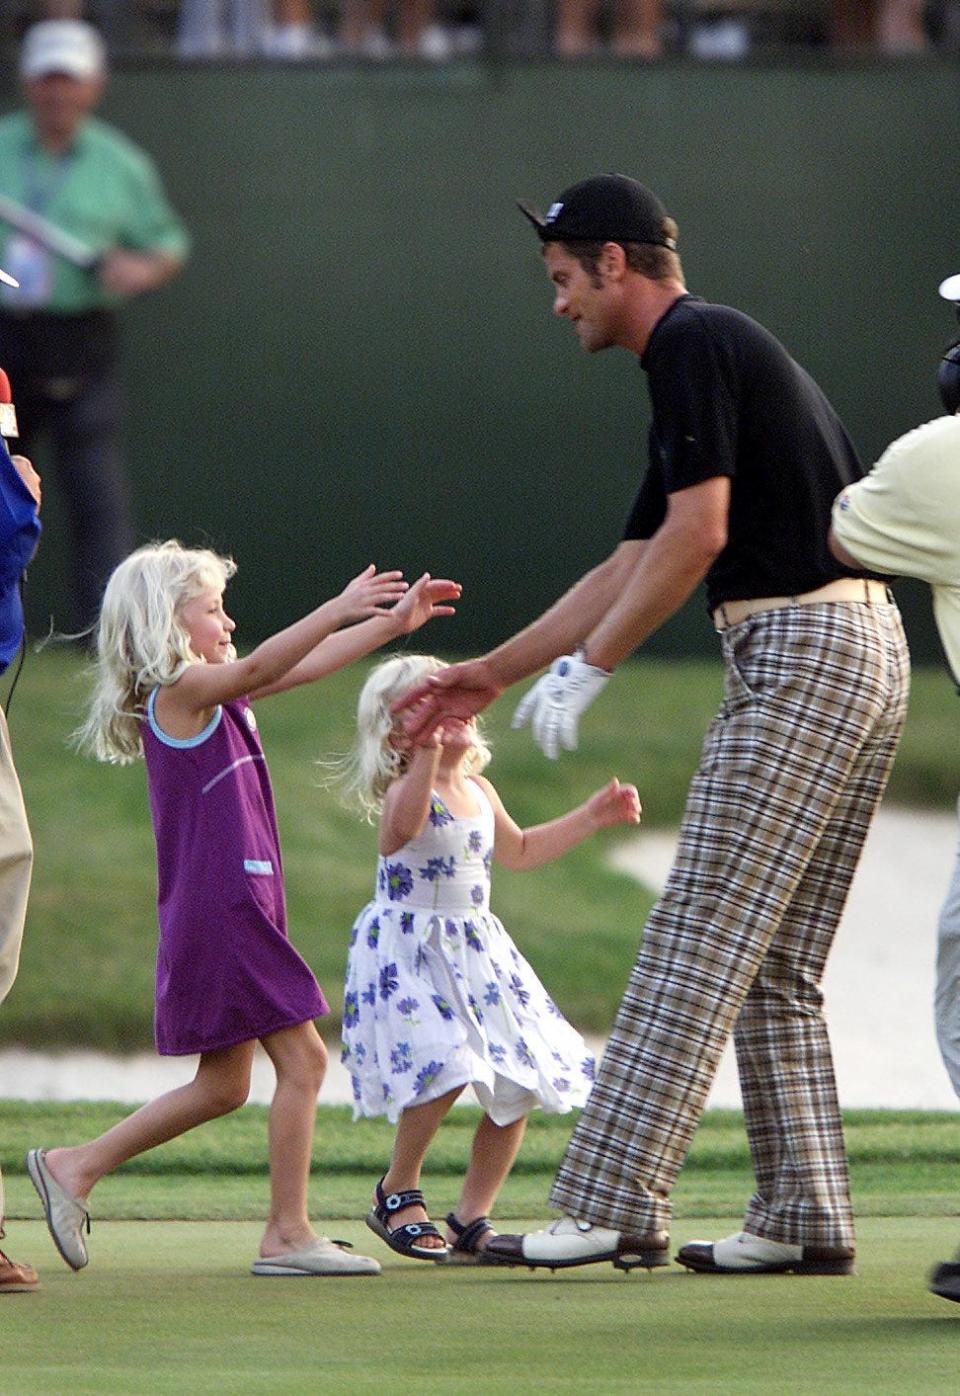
<point>84,226</point>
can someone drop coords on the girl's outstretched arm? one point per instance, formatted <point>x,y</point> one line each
<point>521,849</point>
<point>420,604</point>
<point>407,802</point>
<point>184,707</point>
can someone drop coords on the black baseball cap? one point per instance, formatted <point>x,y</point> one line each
<point>603,208</point>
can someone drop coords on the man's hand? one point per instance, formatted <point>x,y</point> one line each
<point>461,691</point>
<point>554,704</point>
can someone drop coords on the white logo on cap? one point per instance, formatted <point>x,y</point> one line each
<point>553,213</point>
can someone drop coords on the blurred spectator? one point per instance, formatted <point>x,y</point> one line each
<point>893,26</point>
<point>416,34</point>
<point>84,226</point>
<point>220,28</point>
<point>292,34</point>
<point>241,28</point>
<point>636,32</point>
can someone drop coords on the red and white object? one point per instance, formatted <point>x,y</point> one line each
<point>8,413</point>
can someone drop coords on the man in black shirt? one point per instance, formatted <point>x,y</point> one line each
<point>746,458</point>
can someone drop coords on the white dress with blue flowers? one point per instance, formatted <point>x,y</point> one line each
<point>437,994</point>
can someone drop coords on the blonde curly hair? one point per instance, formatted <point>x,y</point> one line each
<point>374,762</point>
<point>141,642</point>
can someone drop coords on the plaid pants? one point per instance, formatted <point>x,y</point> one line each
<point>792,770</point>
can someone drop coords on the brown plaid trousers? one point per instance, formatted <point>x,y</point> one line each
<point>792,770</point>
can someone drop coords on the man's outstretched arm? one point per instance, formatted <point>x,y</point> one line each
<point>466,689</point>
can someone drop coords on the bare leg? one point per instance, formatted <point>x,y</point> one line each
<point>491,1158</point>
<point>413,17</point>
<point>292,35</point>
<point>853,23</point>
<point>361,20</point>
<point>900,26</point>
<point>222,1084</point>
<point>300,1059</point>
<point>637,28</point>
<point>576,28</point>
<point>418,1124</point>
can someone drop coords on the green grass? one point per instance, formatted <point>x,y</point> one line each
<point>167,1305</point>
<point>900,1162</point>
<point>170,1308</point>
<point>87,968</point>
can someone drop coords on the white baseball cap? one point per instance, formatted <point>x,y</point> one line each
<point>63,46</point>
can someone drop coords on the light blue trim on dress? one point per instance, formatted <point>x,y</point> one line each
<point>260,867</point>
<point>181,742</point>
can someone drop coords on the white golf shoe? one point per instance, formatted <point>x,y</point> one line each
<point>568,1242</point>
<point>746,1254</point>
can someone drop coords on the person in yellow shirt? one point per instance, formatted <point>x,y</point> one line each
<point>903,519</point>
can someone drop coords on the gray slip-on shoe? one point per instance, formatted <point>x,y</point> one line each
<point>321,1257</point>
<point>66,1216</point>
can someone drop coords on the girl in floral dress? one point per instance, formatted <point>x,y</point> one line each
<point>437,995</point>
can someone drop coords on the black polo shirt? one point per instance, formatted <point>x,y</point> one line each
<point>729,400</point>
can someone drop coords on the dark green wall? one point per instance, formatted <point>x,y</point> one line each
<point>360,361</point>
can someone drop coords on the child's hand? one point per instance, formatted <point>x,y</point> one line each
<point>431,742</point>
<point>370,593</point>
<point>614,804</point>
<point>421,602</point>
<point>399,740</point>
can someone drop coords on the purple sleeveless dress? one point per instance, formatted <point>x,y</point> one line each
<point>226,971</point>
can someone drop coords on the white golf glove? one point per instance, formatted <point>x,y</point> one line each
<point>555,702</point>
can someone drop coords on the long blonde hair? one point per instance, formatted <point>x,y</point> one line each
<point>375,763</point>
<point>141,642</point>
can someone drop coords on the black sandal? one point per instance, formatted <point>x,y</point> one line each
<point>464,1250</point>
<point>404,1239</point>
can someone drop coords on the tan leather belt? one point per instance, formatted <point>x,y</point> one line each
<point>865,589</point>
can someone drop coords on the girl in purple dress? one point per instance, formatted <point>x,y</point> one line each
<point>171,689</point>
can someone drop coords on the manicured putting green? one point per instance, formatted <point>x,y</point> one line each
<point>169,1307</point>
